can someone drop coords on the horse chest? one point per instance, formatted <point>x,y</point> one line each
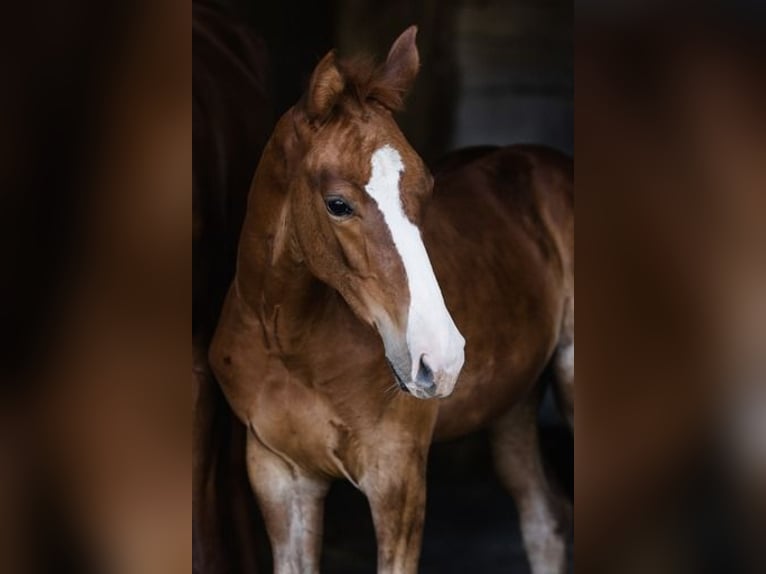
<point>298,423</point>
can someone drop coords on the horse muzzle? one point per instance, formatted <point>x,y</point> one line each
<point>426,361</point>
<point>431,379</point>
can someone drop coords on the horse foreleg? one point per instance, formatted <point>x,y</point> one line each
<point>292,503</point>
<point>395,488</point>
<point>543,514</point>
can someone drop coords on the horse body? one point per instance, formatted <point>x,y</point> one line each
<point>497,234</point>
<point>298,349</point>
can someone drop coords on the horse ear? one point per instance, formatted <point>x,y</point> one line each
<point>325,86</point>
<point>403,62</point>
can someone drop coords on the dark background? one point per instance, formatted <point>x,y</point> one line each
<point>492,71</point>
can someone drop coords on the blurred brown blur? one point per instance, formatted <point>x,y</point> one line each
<point>95,445</point>
<point>671,203</point>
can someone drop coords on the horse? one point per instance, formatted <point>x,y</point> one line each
<point>377,308</point>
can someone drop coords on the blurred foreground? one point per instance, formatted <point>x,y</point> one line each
<point>671,205</point>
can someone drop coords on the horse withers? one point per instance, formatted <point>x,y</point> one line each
<point>371,315</point>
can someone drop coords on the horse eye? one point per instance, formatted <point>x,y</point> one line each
<point>338,207</point>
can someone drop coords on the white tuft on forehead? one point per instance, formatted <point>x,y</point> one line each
<point>430,329</point>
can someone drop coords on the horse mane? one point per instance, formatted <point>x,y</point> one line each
<point>366,80</point>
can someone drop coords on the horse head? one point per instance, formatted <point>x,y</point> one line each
<point>357,192</point>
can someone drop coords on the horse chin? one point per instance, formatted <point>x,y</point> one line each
<point>424,395</point>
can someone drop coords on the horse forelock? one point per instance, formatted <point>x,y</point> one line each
<point>367,81</point>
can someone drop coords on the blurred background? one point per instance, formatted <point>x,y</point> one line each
<point>671,208</point>
<point>493,71</point>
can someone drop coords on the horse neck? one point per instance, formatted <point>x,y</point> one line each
<point>271,277</point>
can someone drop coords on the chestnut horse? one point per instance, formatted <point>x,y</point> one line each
<point>337,345</point>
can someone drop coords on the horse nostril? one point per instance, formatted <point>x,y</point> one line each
<point>425,377</point>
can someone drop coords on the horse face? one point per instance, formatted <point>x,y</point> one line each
<point>358,207</point>
<point>358,227</point>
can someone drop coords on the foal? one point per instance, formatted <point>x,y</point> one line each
<point>335,346</point>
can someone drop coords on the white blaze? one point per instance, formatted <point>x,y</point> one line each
<point>430,328</point>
